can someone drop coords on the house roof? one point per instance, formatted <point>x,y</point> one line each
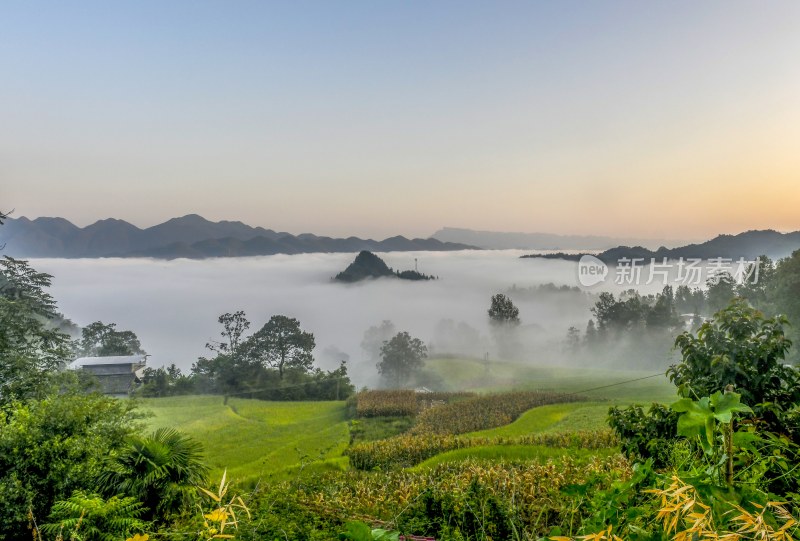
<point>96,361</point>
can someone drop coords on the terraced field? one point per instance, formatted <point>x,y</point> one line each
<point>267,441</point>
<point>257,440</point>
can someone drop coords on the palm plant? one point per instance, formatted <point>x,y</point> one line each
<point>160,470</point>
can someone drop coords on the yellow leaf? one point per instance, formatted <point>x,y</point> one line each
<point>210,494</point>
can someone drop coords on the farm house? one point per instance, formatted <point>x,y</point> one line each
<point>117,376</point>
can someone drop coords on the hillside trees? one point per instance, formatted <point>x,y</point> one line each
<point>401,357</point>
<point>99,339</point>
<point>274,363</point>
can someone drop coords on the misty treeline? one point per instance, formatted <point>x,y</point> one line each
<point>639,330</point>
<point>275,362</point>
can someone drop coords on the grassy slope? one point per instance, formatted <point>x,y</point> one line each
<point>556,418</point>
<point>475,375</point>
<point>255,439</point>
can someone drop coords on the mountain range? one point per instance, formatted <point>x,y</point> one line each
<point>190,236</point>
<point>748,245</point>
<point>497,240</point>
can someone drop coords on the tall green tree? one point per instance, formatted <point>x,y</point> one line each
<point>401,357</point>
<point>31,348</point>
<point>281,344</point>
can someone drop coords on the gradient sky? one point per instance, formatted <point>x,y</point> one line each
<point>666,119</point>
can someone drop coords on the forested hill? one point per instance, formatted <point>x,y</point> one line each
<point>368,265</point>
<point>748,245</point>
<point>190,236</point>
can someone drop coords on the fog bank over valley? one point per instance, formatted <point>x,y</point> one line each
<point>173,305</point>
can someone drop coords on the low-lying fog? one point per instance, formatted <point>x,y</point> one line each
<point>173,305</point>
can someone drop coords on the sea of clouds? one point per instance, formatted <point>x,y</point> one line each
<point>173,305</point>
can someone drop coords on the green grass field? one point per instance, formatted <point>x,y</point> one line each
<point>557,418</point>
<point>257,440</point>
<point>599,384</point>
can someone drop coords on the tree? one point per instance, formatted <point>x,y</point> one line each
<point>401,357</point>
<point>504,320</point>
<point>740,348</point>
<point>104,340</point>
<point>756,283</point>
<point>573,340</point>
<point>31,349</point>
<point>281,344</point>
<point>783,295</point>
<point>233,328</point>
<point>662,314</point>
<point>375,337</point>
<point>689,300</point>
<point>590,337</point>
<point>161,470</point>
<point>721,289</point>
<point>502,311</point>
<point>163,381</point>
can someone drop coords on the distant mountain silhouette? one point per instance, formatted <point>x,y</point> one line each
<point>496,240</point>
<point>748,245</point>
<point>368,265</point>
<point>190,236</point>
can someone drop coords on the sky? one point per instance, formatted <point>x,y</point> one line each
<point>655,119</point>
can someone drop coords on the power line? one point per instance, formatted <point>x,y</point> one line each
<point>615,384</point>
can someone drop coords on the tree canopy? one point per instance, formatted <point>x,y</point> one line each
<point>502,311</point>
<point>401,357</point>
<point>281,344</point>
<point>99,339</point>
